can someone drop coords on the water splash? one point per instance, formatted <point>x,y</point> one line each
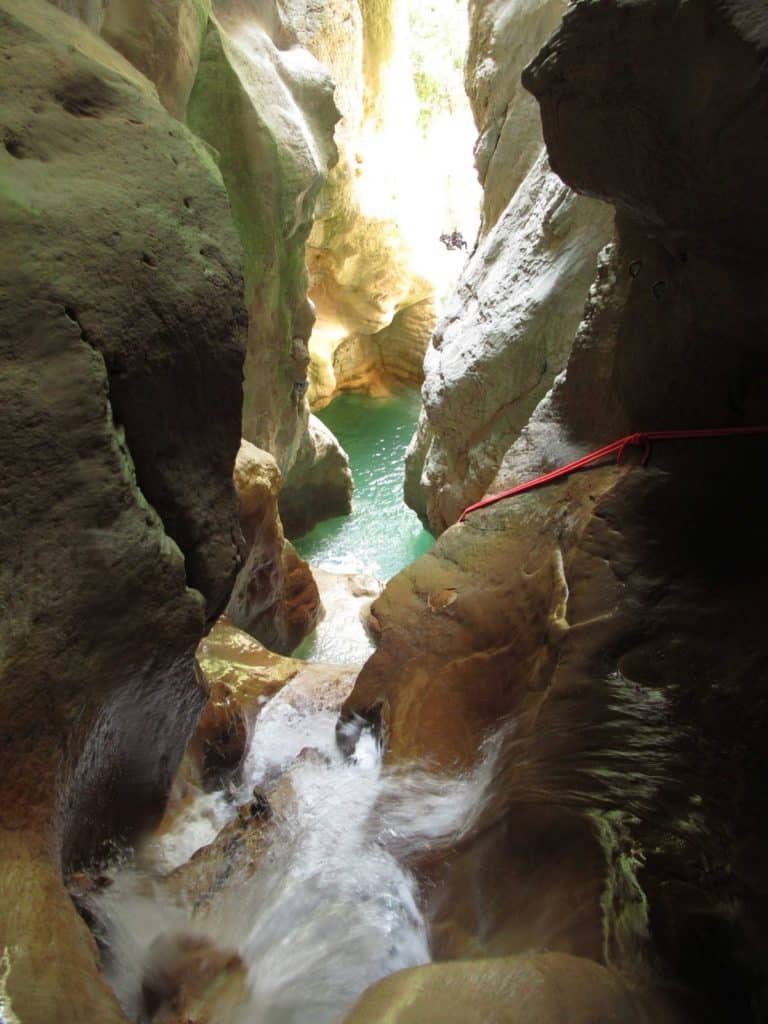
<point>332,906</point>
<point>7,1016</point>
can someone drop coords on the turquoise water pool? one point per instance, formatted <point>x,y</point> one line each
<point>382,534</point>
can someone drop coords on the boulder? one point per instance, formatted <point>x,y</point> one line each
<point>545,988</point>
<point>240,675</point>
<point>319,484</point>
<point>275,597</point>
<point>122,351</point>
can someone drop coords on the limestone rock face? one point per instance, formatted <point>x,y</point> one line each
<point>611,620</point>
<point>162,39</point>
<point>275,597</point>
<point>508,327</point>
<point>372,289</point>
<point>266,106</point>
<point>121,351</point>
<point>320,483</point>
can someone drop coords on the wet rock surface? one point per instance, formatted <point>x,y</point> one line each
<point>544,989</point>
<point>612,620</point>
<point>275,597</point>
<point>319,484</point>
<point>122,353</point>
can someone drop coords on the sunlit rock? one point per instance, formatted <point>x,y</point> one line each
<point>121,390</point>
<point>375,258</point>
<point>508,327</point>
<point>241,675</point>
<point>275,598</point>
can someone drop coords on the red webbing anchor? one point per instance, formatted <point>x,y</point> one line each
<point>643,440</point>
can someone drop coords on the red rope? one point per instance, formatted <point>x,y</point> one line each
<point>643,440</point>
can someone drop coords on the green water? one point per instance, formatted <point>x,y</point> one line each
<point>382,534</point>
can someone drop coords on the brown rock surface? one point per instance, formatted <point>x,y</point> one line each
<point>192,980</point>
<point>548,988</point>
<point>122,353</point>
<point>241,675</point>
<point>275,597</point>
<point>613,620</point>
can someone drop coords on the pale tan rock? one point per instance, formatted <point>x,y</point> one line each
<point>508,327</point>
<point>374,246</point>
<point>538,989</point>
<point>319,484</point>
<point>275,597</point>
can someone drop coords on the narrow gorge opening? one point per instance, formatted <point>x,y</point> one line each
<point>396,222</point>
<point>513,774</point>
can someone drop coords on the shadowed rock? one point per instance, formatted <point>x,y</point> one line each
<point>121,323</point>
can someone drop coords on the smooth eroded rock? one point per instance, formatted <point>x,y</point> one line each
<point>547,988</point>
<point>122,351</point>
<point>275,597</point>
<point>319,485</point>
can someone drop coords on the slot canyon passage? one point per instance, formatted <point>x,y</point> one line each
<point>276,747</point>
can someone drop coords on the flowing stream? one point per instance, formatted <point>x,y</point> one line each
<point>331,907</point>
<point>327,904</point>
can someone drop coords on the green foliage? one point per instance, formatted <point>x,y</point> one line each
<point>438,43</point>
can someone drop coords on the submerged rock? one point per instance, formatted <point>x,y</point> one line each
<point>189,978</point>
<point>120,398</point>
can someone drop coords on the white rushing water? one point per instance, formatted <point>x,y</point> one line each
<point>332,906</point>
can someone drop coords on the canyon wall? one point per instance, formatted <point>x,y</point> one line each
<point>606,630</point>
<point>122,350</point>
<point>374,249</point>
<point>508,326</point>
